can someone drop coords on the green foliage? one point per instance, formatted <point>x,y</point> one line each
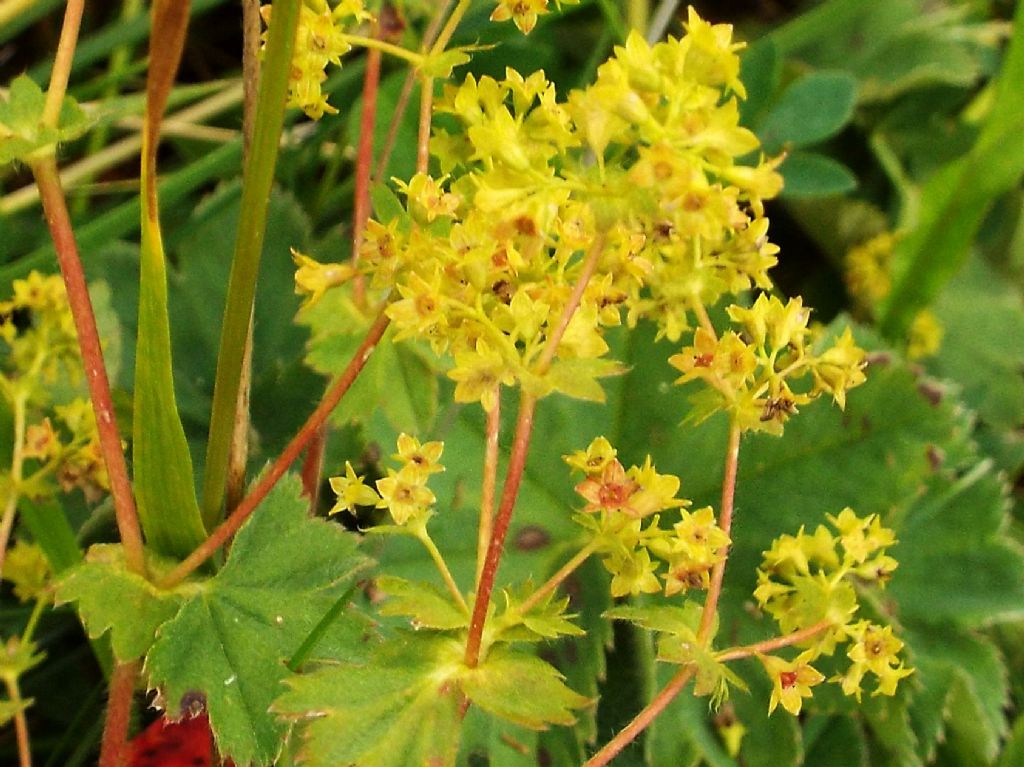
<point>23,136</point>
<point>229,641</point>
<point>402,707</point>
<point>111,598</point>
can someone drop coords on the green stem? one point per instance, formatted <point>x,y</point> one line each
<point>414,58</point>
<point>556,580</point>
<point>449,28</point>
<point>637,15</point>
<point>310,642</point>
<point>17,461</point>
<point>423,536</point>
<point>62,62</point>
<point>259,175</point>
<point>488,485</point>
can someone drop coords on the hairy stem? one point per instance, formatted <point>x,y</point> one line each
<point>488,485</point>
<point>59,222</point>
<point>556,580</point>
<point>305,435</point>
<point>119,708</point>
<point>509,493</point>
<point>642,720</point>
<point>775,643</point>
<point>732,456</point>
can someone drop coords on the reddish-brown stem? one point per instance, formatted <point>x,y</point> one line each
<point>776,643</point>
<point>57,218</point>
<point>641,721</point>
<point>364,165</point>
<point>305,435</point>
<point>113,749</point>
<point>509,493</point>
<point>403,97</point>
<point>313,466</point>
<point>556,580</point>
<point>20,722</point>
<point>732,457</point>
<point>488,485</point>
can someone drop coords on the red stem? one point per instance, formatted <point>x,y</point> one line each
<point>57,218</point>
<point>488,485</point>
<point>305,435</point>
<point>641,721</point>
<point>732,457</point>
<point>113,749</point>
<point>509,493</point>
<point>775,643</point>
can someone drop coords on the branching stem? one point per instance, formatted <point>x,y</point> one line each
<point>775,643</point>
<point>292,450</point>
<point>442,567</point>
<point>556,580</point>
<point>62,62</point>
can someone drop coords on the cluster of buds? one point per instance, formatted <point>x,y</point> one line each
<point>622,513</point>
<point>403,492</point>
<point>319,41</point>
<point>751,374</point>
<point>807,581</point>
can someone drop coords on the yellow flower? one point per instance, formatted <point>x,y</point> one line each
<point>419,457</point>
<point>478,373</point>
<point>791,681</point>
<point>28,569</point>
<point>352,492</point>
<point>592,460</point>
<point>523,12</point>
<point>405,494</point>
<point>313,279</point>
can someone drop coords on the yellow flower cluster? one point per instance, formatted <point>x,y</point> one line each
<point>806,581</point>
<point>403,492</point>
<point>557,219</point>
<point>41,371</point>
<point>319,41</point>
<point>749,373</point>
<point>619,501</point>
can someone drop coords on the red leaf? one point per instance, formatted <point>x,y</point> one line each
<point>187,743</point>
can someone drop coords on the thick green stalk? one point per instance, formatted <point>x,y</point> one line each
<point>252,222</point>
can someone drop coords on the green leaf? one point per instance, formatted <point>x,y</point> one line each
<point>954,200</point>
<point>402,163</point>
<point>760,69</point>
<point>230,641</point>
<point>982,318</point>
<point>400,708</point>
<point>163,476</point>
<point>111,598</point>
<point>809,174</point>
<point>812,109</point>
<point>839,743</point>
<point>485,739</point>
<point>968,672</point>
<point>684,734</point>
<point>1013,752</point>
<point>956,564</point>
<point>427,605</point>
<point>9,709</point>
<point>22,133</point>
<point>387,207</point>
<point>678,621</point>
<point>522,689</point>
